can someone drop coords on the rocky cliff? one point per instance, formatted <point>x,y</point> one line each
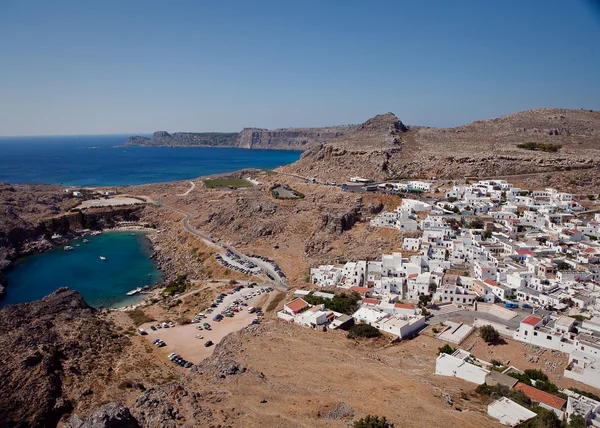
<point>185,139</point>
<point>249,138</point>
<point>383,148</point>
<point>48,347</point>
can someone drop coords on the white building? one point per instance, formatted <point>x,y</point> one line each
<point>459,365</point>
<point>508,412</point>
<point>326,276</point>
<point>532,330</point>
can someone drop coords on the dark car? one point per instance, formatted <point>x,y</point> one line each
<point>208,343</point>
<point>153,328</point>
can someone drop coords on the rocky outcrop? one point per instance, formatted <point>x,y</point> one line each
<point>170,406</point>
<point>249,138</point>
<point>43,343</point>
<point>111,415</point>
<point>383,148</point>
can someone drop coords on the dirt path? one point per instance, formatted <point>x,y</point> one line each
<point>187,192</point>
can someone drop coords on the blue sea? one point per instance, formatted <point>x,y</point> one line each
<point>96,160</point>
<point>101,282</point>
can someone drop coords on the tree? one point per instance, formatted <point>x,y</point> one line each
<point>446,349</point>
<point>544,419</point>
<point>489,334</point>
<point>362,330</point>
<point>577,421</point>
<point>424,300</point>
<point>372,421</point>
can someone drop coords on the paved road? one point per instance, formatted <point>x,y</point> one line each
<point>265,266</point>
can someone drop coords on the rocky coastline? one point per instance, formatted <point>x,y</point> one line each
<point>58,231</point>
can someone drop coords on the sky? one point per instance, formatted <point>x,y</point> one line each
<point>125,67</point>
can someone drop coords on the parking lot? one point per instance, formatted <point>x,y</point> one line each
<point>182,339</point>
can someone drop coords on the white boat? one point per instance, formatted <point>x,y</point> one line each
<point>133,292</point>
<point>68,248</point>
<point>86,241</point>
<point>102,258</point>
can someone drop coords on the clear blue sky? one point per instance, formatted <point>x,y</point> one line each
<point>89,67</point>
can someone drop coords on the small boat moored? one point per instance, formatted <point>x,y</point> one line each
<point>68,248</point>
<point>134,292</point>
<point>102,258</point>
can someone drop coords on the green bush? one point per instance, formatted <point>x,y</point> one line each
<point>446,349</point>
<point>178,285</point>
<point>489,334</point>
<point>498,390</point>
<point>544,419</point>
<point>372,421</point>
<point>343,303</point>
<point>543,147</point>
<point>363,330</point>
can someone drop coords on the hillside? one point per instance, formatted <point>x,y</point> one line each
<point>248,138</point>
<point>383,148</point>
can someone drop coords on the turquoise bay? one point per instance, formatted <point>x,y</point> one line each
<point>101,282</point>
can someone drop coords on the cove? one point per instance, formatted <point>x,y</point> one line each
<point>127,266</point>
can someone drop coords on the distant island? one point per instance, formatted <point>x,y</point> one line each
<point>248,138</point>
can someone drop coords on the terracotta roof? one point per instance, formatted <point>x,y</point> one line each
<point>541,396</point>
<point>370,301</point>
<point>490,282</point>
<point>525,253</point>
<point>403,306</point>
<point>296,305</point>
<point>531,320</point>
<point>589,250</point>
<point>358,289</point>
<point>413,275</point>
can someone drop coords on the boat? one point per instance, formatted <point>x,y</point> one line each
<point>86,241</point>
<point>102,258</point>
<point>78,245</point>
<point>68,248</point>
<point>133,292</point>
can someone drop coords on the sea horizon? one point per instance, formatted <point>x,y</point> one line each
<point>103,160</point>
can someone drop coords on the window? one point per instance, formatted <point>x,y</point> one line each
<point>525,332</point>
<point>535,333</point>
<point>549,337</point>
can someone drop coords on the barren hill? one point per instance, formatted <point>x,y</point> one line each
<point>248,138</point>
<point>383,148</point>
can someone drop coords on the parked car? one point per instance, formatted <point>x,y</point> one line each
<point>208,343</point>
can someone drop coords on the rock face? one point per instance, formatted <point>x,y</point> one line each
<point>185,139</point>
<point>43,343</point>
<point>249,138</point>
<point>292,139</point>
<point>111,415</point>
<point>383,148</point>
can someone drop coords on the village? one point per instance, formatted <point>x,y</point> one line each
<point>523,264</point>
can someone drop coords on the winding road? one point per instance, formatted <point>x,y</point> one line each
<point>266,267</point>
